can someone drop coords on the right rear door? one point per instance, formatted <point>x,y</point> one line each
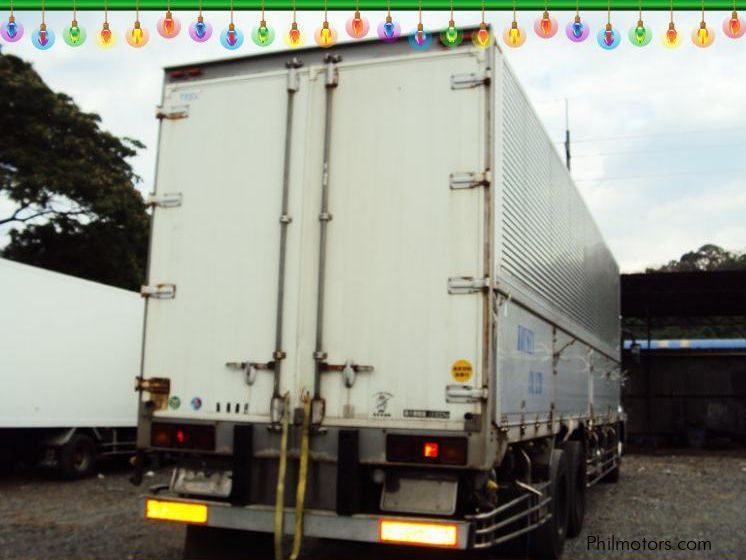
<point>398,233</point>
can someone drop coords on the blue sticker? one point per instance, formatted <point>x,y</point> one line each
<point>525,340</point>
<point>196,403</point>
<point>535,382</point>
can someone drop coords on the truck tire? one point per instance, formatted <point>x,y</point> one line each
<point>578,478</point>
<point>215,543</point>
<point>548,541</point>
<point>77,458</point>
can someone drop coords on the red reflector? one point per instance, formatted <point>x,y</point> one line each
<point>180,436</point>
<point>430,450</point>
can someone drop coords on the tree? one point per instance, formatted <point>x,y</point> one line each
<point>707,257</point>
<point>74,205</point>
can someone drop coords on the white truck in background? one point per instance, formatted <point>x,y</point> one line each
<point>68,348</point>
<point>379,309</point>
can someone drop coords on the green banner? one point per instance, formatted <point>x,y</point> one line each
<point>396,5</point>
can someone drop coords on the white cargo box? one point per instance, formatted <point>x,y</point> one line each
<point>69,350</point>
<point>462,268</point>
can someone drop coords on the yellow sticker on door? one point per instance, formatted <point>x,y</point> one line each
<point>462,371</point>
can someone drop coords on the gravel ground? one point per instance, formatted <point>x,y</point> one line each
<point>660,497</point>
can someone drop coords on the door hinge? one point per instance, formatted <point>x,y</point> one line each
<point>172,113</point>
<point>472,80</point>
<point>465,394</point>
<point>293,77</point>
<point>469,180</point>
<point>165,200</point>
<point>467,285</point>
<point>349,371</point>
<point>159,291</point>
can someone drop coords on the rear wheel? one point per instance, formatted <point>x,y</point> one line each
<point>578,479</point>
<point>77,458</point>
<point>548,541</point>
<point>215,543</point>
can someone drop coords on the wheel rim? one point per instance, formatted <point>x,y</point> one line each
<point>81,460</point>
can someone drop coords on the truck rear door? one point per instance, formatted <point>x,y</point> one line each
<point>222,149</point>
<point>404,251</point>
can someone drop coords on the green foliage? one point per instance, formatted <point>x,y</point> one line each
<point>75,208</point>
<point>707,257</point>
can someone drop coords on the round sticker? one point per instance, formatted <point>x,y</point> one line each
<point>196,403</point>
<point>174,402</point>
<point>462,371</point>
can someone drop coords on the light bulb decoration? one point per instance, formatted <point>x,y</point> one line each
<point>577,30</point>
<point>137,36</point>
<point>168,26</point>
<point>514,36</point>
<point>389,30</point>
<point>482,38</point>
<point>671,37</point>
<point>733,27</point>
<point>325,36</point>
<point>262,34</point>
<point>546,26</point>
<point>11,30</point>
<point>608,37</point>
<point>200,30</point>
<point>640,35</point>
<point>451,36</point>
<point>231,37</point>
<point>74,35</point>
<point>703,36</point>
<point>105,39</point>
<point>420,39</point>
<point>43,38</point>
<point>357,26</point>
<point>294,37</point>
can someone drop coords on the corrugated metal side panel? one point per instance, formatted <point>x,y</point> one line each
<point>552,250</point>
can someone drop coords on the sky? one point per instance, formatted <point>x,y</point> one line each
<point>658,135</point>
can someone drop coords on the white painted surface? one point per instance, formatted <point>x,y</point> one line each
<point>398,233</point>
<point>69,350</point>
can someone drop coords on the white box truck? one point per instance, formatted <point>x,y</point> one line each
<point>68,348</point>
<point>378,310</point>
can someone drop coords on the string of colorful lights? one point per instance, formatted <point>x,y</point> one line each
<point>358,26</point>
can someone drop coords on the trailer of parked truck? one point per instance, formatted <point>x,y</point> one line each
<point>378,308</point>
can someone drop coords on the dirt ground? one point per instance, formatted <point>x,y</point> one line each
<point>683,499</point>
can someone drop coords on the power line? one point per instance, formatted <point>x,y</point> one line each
<point>654,135</point>
<point>603,179</point>
<point>660,150</point>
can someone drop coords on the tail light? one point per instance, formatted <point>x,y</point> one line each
<point>198,437</point>
<point>429,450</point>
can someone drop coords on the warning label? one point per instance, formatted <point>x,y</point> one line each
<point>462,371</point>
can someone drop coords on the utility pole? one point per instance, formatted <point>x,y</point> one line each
<point>567,136</point>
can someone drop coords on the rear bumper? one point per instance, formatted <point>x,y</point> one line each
<point>316,523</point>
